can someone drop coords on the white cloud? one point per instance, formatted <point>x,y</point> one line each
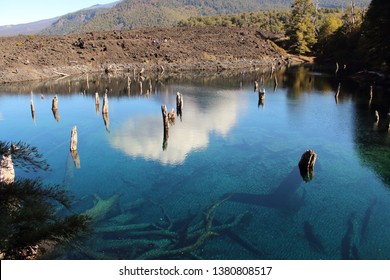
<point>142,136</point>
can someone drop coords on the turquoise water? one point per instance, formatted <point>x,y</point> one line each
<point>227,184</point>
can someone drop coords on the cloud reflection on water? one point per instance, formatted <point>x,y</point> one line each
<point>142,136</point>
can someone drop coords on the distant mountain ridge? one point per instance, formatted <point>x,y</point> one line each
<point>129,14</point>
<point>38,26</point>
<point>26,28</point>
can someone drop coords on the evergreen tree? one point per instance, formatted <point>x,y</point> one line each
<point>301,28</point>
<point>374,43</point>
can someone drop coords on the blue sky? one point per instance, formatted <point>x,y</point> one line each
<point>24,11</point>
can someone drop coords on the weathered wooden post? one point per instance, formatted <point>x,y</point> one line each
<point>54,108</point>
<point>165,125</point>
<point>172,116</point>
<point>275,83</point>
<point>128,85</point>
<point>73,139</point>
<point>32,107</point>
<point>371,94</point>
<point>73,147</point>
<point>105,104</point>
<point>272,70</point>
<point>388,122</point>
<point>106,120</point>
<point>87,81</point>
<point>7,171</point>
<point>261,100</point>
<point>179,104</point>
<point>376,118</point>
<point>97,103</point>
<point>256,86</point>
<point>306,165</point>
<point>336,96</point>
<point>54,103</point>
<point>140,87</point>
<point>150,86</point>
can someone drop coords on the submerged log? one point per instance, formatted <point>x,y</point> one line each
<point>306,165</point>
<point>103,208</point>
<point>73,139</point>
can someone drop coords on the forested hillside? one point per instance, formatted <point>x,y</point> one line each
<point>130,14</point>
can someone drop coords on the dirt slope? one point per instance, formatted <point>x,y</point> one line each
<point>154,49</point>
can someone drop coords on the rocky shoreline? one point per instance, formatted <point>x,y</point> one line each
<point>26,58</point>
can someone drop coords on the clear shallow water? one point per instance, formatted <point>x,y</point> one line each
<point>227,148</point>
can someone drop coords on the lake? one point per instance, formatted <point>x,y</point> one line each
<point>225,184</point>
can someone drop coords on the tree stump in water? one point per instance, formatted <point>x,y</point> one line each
<point>105,104</point>
<point>166,125</point>
<point>376,116</point>
<point>179,104</point>
<point>306,165</point>
<point>256,86</point>
<point>172,116</point>
<point>97,103</point>
<point>54,104</point>
<point>73,139</point>
<point>32,110</point>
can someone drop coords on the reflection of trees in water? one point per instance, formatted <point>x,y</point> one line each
<point>119,85</point>
<point>373,140</point>
<point>299,80</point>
<point>29,225</point>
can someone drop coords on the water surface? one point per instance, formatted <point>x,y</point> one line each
<point>228,167</point>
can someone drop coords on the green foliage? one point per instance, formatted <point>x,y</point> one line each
<point>300,28</point>
<point>272,21</point>
<point>140,13</point>
<point>28,216</point>
<point>374,42</point>
<point>331,23</point>
<point>24,156</point>
<point>363,39</point>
